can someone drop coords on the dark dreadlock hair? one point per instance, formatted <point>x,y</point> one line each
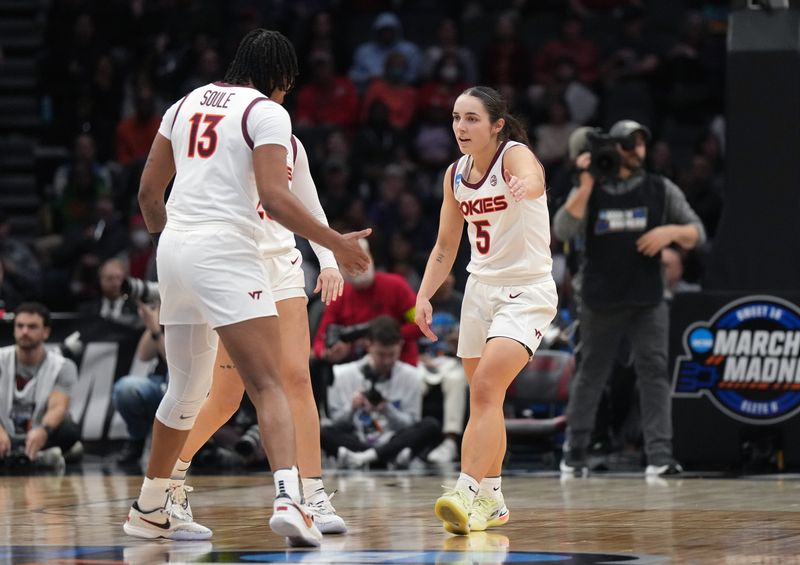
<point>266,59</point>
<point>496,107</point>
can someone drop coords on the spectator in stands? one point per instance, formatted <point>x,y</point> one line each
<point>505,59</point>
<point>572,46</point>
<point>552,136</point>
<point>136,397</point>
<point>369,61</point>
<point>623,291</point>
<point>114,303</point>
<point>394,90</point>
<point>10,296</point>
<point>136,133</point>
<point>375,404</point>
<point>449,47</point>
<point>35,387</point>
<point>365,297</point>
<point>328,99</point>
<point>377,144</point>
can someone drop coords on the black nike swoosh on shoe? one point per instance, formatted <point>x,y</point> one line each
<point>513,296</point>
<point>472,489</point>
<point>164,526</point>
<point>495,489</point>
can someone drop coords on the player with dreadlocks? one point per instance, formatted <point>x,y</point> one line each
<point>226,143</point>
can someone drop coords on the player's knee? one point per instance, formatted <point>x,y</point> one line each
<point>179,414</point>
<point>296,381</point>
<point>483,394</point>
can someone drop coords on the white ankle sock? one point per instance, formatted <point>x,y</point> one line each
<point>287,481</point>
<point>490,487</point>
<point>153,494</point>
<point>468,485</point>
<point>311,486</point>
<point>179,470</point>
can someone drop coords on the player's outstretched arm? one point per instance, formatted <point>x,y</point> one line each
<point>158,171</point>
<point>523,173</point>
<point>269,164</point>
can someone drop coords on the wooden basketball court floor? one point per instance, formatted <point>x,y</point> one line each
<point>77,519</point>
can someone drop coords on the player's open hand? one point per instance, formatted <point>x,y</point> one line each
<point>349,253</point>
<point>330,284</point>
<point>424,316</point>
<point>518,187</point>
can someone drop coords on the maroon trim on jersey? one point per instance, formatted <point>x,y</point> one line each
<point>247,138</point>
<point>175,117</point>
<point>229,85</point>
<point>488,169</point>
<point>453,175</point>
<point>294,149</point>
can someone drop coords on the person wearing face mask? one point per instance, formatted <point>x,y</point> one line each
<point>394,90</point>
<point>626,220</point>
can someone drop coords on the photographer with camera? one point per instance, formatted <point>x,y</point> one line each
<point>35,387</point>
<point>627,216</point>
<point>375,404</point>
<point>119,296</point>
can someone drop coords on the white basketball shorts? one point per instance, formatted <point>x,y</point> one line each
<point>286,276</point>
<point>213,276</point>
<point>519,312</point>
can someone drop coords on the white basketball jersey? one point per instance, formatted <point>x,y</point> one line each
<point>213,131</point>
<point>509,241</point>
<point>277,239</point>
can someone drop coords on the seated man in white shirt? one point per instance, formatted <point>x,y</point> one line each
<point>375,404</point>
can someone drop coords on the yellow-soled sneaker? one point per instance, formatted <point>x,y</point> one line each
<point>488,513</point>
<point>453,509</point>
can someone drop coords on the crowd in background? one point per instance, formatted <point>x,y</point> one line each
<point>372,105</point>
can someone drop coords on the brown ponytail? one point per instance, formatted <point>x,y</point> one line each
<point>497,108</point>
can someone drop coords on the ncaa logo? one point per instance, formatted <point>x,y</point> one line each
<point>746,360</point>
<point>458,179</point>
<point>493,180</point>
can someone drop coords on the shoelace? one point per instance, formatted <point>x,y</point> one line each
<point>484,505</point>
<point>323,505</point>
<point>179,499</point>
<point>461,496</point>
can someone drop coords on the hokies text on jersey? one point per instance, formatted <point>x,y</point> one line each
<point>484,205</point>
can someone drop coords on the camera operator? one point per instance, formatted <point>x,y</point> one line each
<point>137,397</point>
<point>35,387</point>
<point>375,404</point>
<point>627,216</point>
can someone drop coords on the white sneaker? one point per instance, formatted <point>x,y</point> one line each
<point>445,452</point>
<point>168,523</point>
<point>403,459</point>
<point>347,459</point>
<point>51,458</point>
<point>325,516</point>
<point>179,494</point>
<point>295,524</point>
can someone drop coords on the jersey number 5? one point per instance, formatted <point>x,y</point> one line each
<point>207,144</point>
<point>482,236</point>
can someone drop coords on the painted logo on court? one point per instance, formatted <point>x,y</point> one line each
<point>746,359</point>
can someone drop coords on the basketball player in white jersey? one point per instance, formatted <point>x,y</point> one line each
<point>498,188</point>
<point>226,144</point>
<point>284,266</point>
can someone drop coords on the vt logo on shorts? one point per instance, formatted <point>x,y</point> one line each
<point>255,294</point>
<point>538,333</point>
